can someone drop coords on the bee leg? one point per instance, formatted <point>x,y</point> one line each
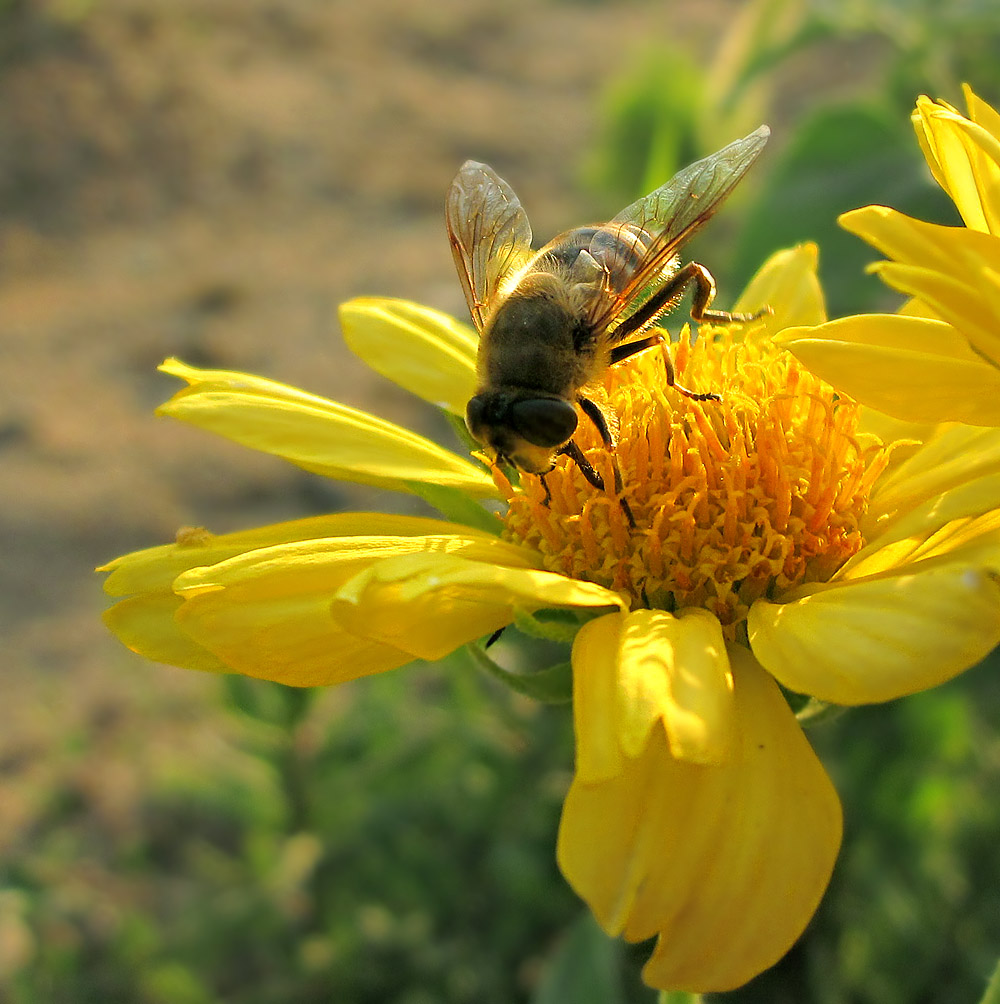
<point>548,491</point>
<point>575,454</point>
<point>668,295</point>
<point>593,411</point>
<point>704,294</point>
<point>620,352</point>
<point>692,394</point>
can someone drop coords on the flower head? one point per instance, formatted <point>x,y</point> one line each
<point>783,536</point>
<point>939,358</point>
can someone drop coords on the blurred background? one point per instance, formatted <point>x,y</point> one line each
<point>209,180</point>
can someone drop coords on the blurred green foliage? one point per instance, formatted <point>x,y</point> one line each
<point>390,843</point>
<point>393,842</point>
<point>837,83</point>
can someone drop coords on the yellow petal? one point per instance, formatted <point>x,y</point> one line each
<point>789,285</point>
<point>319,435</point>
<point>951,250</point>
<point>909,367</point>
<point>155,568</point>
<point>906,437</point>
<point>917,308</point>
<point>267,612</point>
<point>595,690</point>
<point>952,456</point>
<point>951,271</point>
<point>431,603</point>
<point>980,112</point>
<point>273,631</point>
<point>868,640</point>
<point>965,160</point>
<point>983,151</point>
<point>961,524</point>
<point>147,625</point>
<point>969,302</point>
<point>726,863</point>
<point>656,671</point>
<point>920,117</point>
<point>424,350</point>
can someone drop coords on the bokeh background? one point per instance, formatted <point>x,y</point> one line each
<point>209,180</point>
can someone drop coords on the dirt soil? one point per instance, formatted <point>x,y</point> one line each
<point>210,181</point>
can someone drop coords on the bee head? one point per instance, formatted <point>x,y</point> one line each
<point>521,427</point>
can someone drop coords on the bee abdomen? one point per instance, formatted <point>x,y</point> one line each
<point>603,255</point>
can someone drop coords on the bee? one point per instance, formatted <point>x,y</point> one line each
<point>551,321</point>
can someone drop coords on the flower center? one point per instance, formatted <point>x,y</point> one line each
<point>732,500</point>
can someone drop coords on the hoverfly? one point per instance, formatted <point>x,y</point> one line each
<point>551,321</point>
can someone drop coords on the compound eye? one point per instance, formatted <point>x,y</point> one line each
<point>544,421</point>
<point>475,416</point>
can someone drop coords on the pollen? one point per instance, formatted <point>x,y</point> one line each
<point>731,500</point>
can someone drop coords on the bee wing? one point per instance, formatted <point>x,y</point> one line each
<point>670,215</point>
<point>489,233</point>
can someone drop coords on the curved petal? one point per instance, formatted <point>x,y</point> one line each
<point>155,568</point>
<point>319,435</point>
<point>916,242</point>
<point>258,602</point>
<point>633,673</point>
<point>909,367</point>
<point>952,457</point>
<point>424,350</point>
<point>271,632</point>
<point>431,603</point>
<point>970,302</point>
<point>862,641</point>
<point>965,160</point>
<point>941,528</point>
<point>268,612</point>
<point>726,863</point>
<point>789,285</point>
<point>980,112</point>
<point>149,621</point>
<point>951,270</point>
<point>148,626</point>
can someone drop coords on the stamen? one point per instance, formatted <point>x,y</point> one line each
<point>731,499</point>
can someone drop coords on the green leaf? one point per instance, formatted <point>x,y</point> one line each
<point>585,968</point>
<point>457,506</point>
<point>553,685</point>
<point>992,995</point>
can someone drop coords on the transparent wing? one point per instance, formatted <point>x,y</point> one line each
<point>663,220</point>
<point>489,233</point>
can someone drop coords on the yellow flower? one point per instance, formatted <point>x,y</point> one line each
<point>939,358</point>
<point>780,538</point>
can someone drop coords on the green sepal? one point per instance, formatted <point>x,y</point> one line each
<point>461,430</point>
<point>817,712</point>
<point>266,701</point>
<point>585,968</point>
<point>678,997</point>
<point>456,506</point>
<point>549,625</point>
<point>553,685</point>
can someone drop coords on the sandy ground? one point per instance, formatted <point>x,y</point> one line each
<point>210,181</point>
